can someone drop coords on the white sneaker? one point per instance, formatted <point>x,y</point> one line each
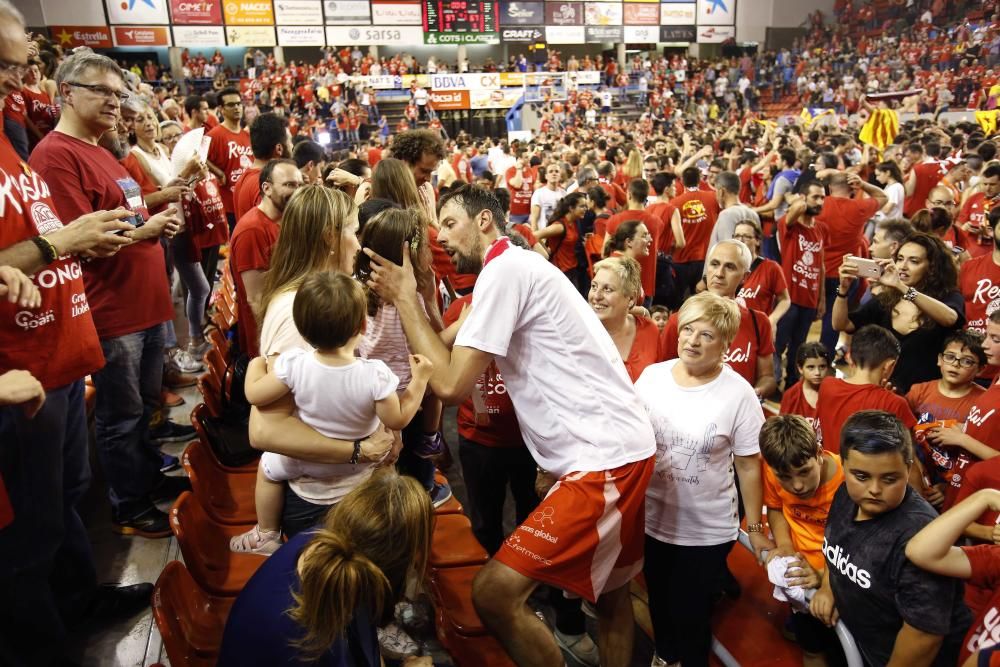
<point>184,362</point>
<point>582,647</point>
<point>395,643</point>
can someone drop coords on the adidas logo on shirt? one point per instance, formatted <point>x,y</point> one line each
<point>842,562</point>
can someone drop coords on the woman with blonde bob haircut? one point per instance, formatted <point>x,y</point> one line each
<point>320,597</point>
<point>614,291</point>
<point>318,233</point>
<point>707,419</point>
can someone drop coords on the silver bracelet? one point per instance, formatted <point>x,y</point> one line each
<point>911,294</point>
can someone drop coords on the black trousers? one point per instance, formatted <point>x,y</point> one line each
<point>688,275</point>
<point>682,583</point>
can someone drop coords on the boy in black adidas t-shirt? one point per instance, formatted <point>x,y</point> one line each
<point>898,613</point>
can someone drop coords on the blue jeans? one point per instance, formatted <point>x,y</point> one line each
<point>198,288</point>
<point>828,336</point>
<point>792,331</point>
<point>46,562</point>
<point>128,391</point>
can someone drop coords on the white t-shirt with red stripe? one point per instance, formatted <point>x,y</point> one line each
<point>574,400</point>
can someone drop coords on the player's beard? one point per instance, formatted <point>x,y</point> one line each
<point>473,262</point>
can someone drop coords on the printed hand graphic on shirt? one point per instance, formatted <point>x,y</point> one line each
<point>683,449</point>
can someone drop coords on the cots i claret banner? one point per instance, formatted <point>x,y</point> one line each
<point>460,22</point>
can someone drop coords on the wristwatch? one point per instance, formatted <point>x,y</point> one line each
<point>755,527</point>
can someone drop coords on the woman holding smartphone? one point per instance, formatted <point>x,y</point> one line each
<point>919,303</point>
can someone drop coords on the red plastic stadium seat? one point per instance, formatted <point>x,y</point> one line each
<point>219,342</point>
<point>208,385</point>
<point>205,545</point>
<point>458,626</point>
<point>190,620</point>
<point>200,412</point>
<point>228,497</point>
<point>453,544</point>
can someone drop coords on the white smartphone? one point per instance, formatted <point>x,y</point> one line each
<point>867,268</point>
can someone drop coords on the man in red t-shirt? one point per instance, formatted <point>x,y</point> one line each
<point>924,175</point>
<point>45,465</point>
<point>638,192</point>
<point>229,153</point>
<point>491,450</point>
<point>976,210</point>
<point>751,353</point>
<point>843,219</point>
<point>253,240</point>
<point>695,213</point>
<point>269,140</point>
<point>521,181</point>
<point>874,353</point>
<point>606,179</point>
<point>130,329</point>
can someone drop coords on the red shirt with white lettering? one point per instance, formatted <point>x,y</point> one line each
<point>976,210</point>
<point>927,402</point>
<point>927,176</point>
<point>838,400</point>
<point>802,261</point>
<point>40,110</point>
<point>843,220</point>
<point>983,423</point>
<point>699,211</point>
<point>127,292</point>
<point>647,263</point>
<point>250,249</point>
<point>750,343</point>
<point>495,425</point>
<point>230,152</point>
<point>764,283</point>
<point>14,107</point>
<point>793,402</point>
<point>520,198</point>
<point>246,192</point>
<point>205,217</point>
<point>984,560</point>
<point>56,342</point>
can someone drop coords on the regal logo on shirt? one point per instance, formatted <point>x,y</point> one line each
<point>43,217</point>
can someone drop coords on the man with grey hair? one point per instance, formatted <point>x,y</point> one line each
<point>130,329</point>
<point>751,353</point>
<point>46,562</point>
<point>732,213</point>
<point>10,80</point>
<point>586,178</point>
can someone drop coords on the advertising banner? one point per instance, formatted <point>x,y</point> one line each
<point>134,35</point>
<point>249,12</point>
<point>603,13</point>
<point>589,77</point>
<point>565,34</point>
<point>209,35</point>
<point>677,33</point>
<point>678,13</point>
<point>470,81</point>
<point>391,13</point>
<point>298,12</point>
<point>301,35</point>
<point>75,13</point>
<point>449,100</point>
<point>715,34</point>
<point>439,38</point>
<point>606,33</point>
<point>196,12</point>
<point>251,36</point>
<point>647,34</point>
<point>529,35</point>
<point>139,12</point>
<point>522,13</point>
<point>72,36</point>
<point>716,12</point>
<point>499,98</point>
<point>349,36</point>
<point>563,13</point>
<point>638,13</point>
<point>347,12</point>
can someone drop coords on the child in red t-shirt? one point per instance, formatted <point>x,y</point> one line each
<point>812,361</point>
<point>962,359</point>
<point>873,356</point>
<point>932,549</point>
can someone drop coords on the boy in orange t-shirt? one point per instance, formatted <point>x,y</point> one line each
<point>800,480</point>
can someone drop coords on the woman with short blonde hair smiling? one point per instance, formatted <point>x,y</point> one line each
<point>615,289</point>
<point>707,419</point>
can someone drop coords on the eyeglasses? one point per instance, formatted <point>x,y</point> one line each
<point>964,362</point>
<point>231,105</point>
<point>103,91</point>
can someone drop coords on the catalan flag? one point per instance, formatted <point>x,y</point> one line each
<point>988,121</point>
<point>766,123</point>
<point>881,129</point>
<point>809,115</point>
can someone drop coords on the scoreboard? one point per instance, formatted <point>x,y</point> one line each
<point>460,16</point>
